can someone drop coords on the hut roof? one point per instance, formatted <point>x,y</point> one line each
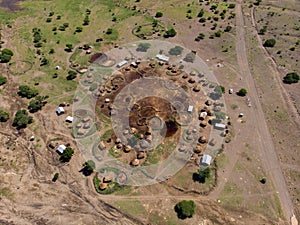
<point>127,148</point>
<point>118,140</point>
<point>203,139</point>
<point>135,162</point>
<point>198,149</point>
<point>103,186</point>
<point>203,123</point>
<point>141,155</point>
<point>196,88</point>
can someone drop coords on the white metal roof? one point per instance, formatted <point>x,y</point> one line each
<point>206,159</point>
<point>60,110</point>
<point>220,125</point>
<point>162,57</point>
<point>69,119</point>
<point>190,109</point>
<point>122,63</point>
<point>61,148</point>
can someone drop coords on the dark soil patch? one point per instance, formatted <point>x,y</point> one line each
<point>11,5</point>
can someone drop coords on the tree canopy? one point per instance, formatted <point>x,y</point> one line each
<point>185,209</point>
<point>27,92</point>
<point>269,43</point>
<point>37,103</point>
<point>190,57</point>
<point>159,14</point>
<point>89,167</point>
<point>291,78</point>
<point>177,50</point>
<point>3,80</point>
<point>170,33</point>
<point>143,47</point>
<point>6,55</point>
<point>67,154</point>
<point>22,119</point>
<point>71,75</point>
<point>4,116</point>
<point>242,92</point>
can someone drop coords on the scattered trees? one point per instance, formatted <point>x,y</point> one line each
<point>269,43</point>
<point>291,78</point>
<point>177,50</point>
<point>242,92</point>
<point>67,154</point>
<point>3,80</point>
<point>22,119</point>
<point>4,116</point>
<point>185,209</point>
<point>27,92</point>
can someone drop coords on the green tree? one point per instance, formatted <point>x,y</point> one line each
<point>170,33</point>
<point>202,20</point>
<point>71,75</point>
<point>242,92</point>
<point>231,6</point>
<point>22,119</point>
<point>3,80</point>
<point>4,116</point>
<point>190,57</point>
<point>78,29</point>
<point>291,78</point>
<point>201,13</point>
<point>27,92</point>
<point>89,167</point>
<point>69,48</point>
<point>7,52</point>
<point>86,21</point>
<point>185,209</point>
<point>143,47</point>
<point>4,58</point>
<point>177,50</point>
<point>55,177</point>
<point>202,175</point>
<point>37,103</point>
<point>44,61</point>
<point>269,43</point>
<point>67,154</point>
<point>51,51</point>
<point>159,14</point>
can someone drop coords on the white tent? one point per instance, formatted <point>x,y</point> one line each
<point>60,110</point>
<point>206,160</point>
<point>69,119</point>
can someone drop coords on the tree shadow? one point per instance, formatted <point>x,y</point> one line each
<point>85,171</point>
<point>198,178</point>
<point>179,213</point>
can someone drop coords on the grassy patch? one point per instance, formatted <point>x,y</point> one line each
<point>133,207</point>
<point>5,192</point>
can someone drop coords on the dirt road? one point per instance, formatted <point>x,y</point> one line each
<point>266,148</point>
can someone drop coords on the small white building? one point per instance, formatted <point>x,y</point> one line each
<point>230,91</point>
<point>190,108</point>
<point>69,119</point>
<point>220,126</point>
<point>61,148</point>
<point>123,63</point>
<point>60,110</point>
<point>206,160</point>
<point>162,57</point>
<point>134,64</point>
<point>57,67</point>
<point>32,138</point>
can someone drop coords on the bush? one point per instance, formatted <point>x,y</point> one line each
<point>228,29</point>
<point>185,209</point>
<point>177,50</point>
<point>7,52</point>
<point>4,116</point>
<point>27,92</point>
<point>109,31</point>
<point>48,20</point>
<point>71,75</point>
<point>67,154</point>
<point>89,167</point>
<point>202,20</point>
<point>269,43</point>
<point>170,33</point>
<point>55,177</point>
<point>86,21</point>
<point>190,57</point>
<point>6,55</point>
<point>263,180</point>
<point>159,14</point>
<point>201,13</point>
<point>242,92</point>
<point>231,6</point>
<point>3,80</point>
<point>202,175</point>
<point>69,48</point>
<point>143,47</point>
<point>291,78</point>
<point>22,119</point>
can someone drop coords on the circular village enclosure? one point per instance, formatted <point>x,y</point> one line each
<point>146,110</point>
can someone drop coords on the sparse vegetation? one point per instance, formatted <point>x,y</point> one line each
<point>22,119</point>
<point>291,78</point>
<point>4,116</point>
<point>27,92</point>
<point>242,92</point>
<point>269,43</point>
<point>3,80</point>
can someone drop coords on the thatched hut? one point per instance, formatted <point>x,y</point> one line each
<point>185,76</point>
<point>191,80</point>
<point>196,88</point>
<point>133,130</point>
<point>119,146</point>
<point>203,123</point>
<point>141,155</point>
<point>118,141</point>
<point>102,145</point>
<point>208,102</point>
<point>78,125</point>
<point>103,186</point>
<point>81,131</point>
<point>127,148</point>
<point>135,162</point>
<point>86,119</point>
<point>203,139</point>
<point>198,149</point>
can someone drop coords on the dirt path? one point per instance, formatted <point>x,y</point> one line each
<point>266,148</point>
